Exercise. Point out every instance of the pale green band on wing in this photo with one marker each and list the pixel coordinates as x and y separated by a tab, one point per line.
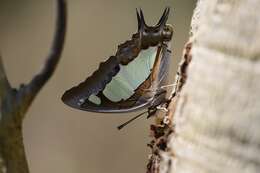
130	76
94	99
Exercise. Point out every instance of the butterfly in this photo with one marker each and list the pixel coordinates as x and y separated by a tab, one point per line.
132	79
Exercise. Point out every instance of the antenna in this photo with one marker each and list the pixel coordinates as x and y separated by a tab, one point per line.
129	121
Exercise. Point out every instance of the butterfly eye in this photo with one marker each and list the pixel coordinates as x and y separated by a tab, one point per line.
167	32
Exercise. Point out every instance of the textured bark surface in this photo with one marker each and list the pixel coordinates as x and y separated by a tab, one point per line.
14	103
217	118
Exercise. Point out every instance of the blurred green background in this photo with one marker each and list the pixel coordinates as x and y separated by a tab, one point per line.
58	138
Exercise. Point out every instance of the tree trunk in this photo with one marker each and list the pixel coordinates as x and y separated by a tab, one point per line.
14	103
217	116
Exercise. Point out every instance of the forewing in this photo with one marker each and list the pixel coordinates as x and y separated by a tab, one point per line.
120	95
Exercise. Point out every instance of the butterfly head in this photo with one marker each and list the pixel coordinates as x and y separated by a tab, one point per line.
152	35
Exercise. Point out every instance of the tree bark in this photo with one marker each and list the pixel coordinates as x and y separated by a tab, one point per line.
216	123
14	103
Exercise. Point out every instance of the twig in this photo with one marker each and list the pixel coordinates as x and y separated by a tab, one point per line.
4	83
30	90
14	103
